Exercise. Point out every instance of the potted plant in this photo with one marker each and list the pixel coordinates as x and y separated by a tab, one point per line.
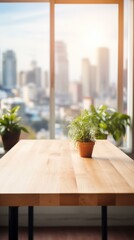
82	132
110	122
10	127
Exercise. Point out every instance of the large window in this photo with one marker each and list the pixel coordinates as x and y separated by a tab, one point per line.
24	63
86	58
57	58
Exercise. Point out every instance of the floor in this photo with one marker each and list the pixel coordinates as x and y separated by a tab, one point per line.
73	233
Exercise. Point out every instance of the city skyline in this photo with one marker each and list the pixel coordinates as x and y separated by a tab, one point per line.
61	58
94	87
94	80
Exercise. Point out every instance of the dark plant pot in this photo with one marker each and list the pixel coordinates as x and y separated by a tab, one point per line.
9	139
85	148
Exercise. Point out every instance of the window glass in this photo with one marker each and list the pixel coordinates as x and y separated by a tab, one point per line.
86	59
24	63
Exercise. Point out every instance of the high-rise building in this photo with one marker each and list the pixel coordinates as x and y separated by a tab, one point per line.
29	93
103	72
93	77
75	91
9	70
88	79
34	75
46	83
85	78
61	72
22	79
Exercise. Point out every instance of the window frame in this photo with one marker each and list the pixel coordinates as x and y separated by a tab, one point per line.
120	47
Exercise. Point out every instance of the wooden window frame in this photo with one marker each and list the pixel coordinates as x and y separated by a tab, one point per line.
120	48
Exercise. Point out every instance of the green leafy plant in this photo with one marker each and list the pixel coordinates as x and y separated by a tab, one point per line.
11	122
108	121
98	123
82	128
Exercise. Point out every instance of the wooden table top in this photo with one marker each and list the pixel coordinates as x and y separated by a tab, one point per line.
51	173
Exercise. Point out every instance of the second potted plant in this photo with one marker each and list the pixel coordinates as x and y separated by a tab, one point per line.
10	127
109	122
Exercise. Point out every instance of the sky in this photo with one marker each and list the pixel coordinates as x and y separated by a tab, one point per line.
24	28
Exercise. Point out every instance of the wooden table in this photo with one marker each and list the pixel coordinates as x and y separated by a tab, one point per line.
51	173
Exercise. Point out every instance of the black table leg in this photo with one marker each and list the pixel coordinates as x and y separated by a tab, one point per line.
30	222
13	223
104	222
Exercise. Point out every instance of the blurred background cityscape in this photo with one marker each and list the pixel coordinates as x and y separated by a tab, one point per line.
86	69
31	89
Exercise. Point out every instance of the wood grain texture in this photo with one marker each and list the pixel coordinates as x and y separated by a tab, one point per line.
51	173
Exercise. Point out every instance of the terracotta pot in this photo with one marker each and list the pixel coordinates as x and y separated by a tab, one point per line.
10	139
85	148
